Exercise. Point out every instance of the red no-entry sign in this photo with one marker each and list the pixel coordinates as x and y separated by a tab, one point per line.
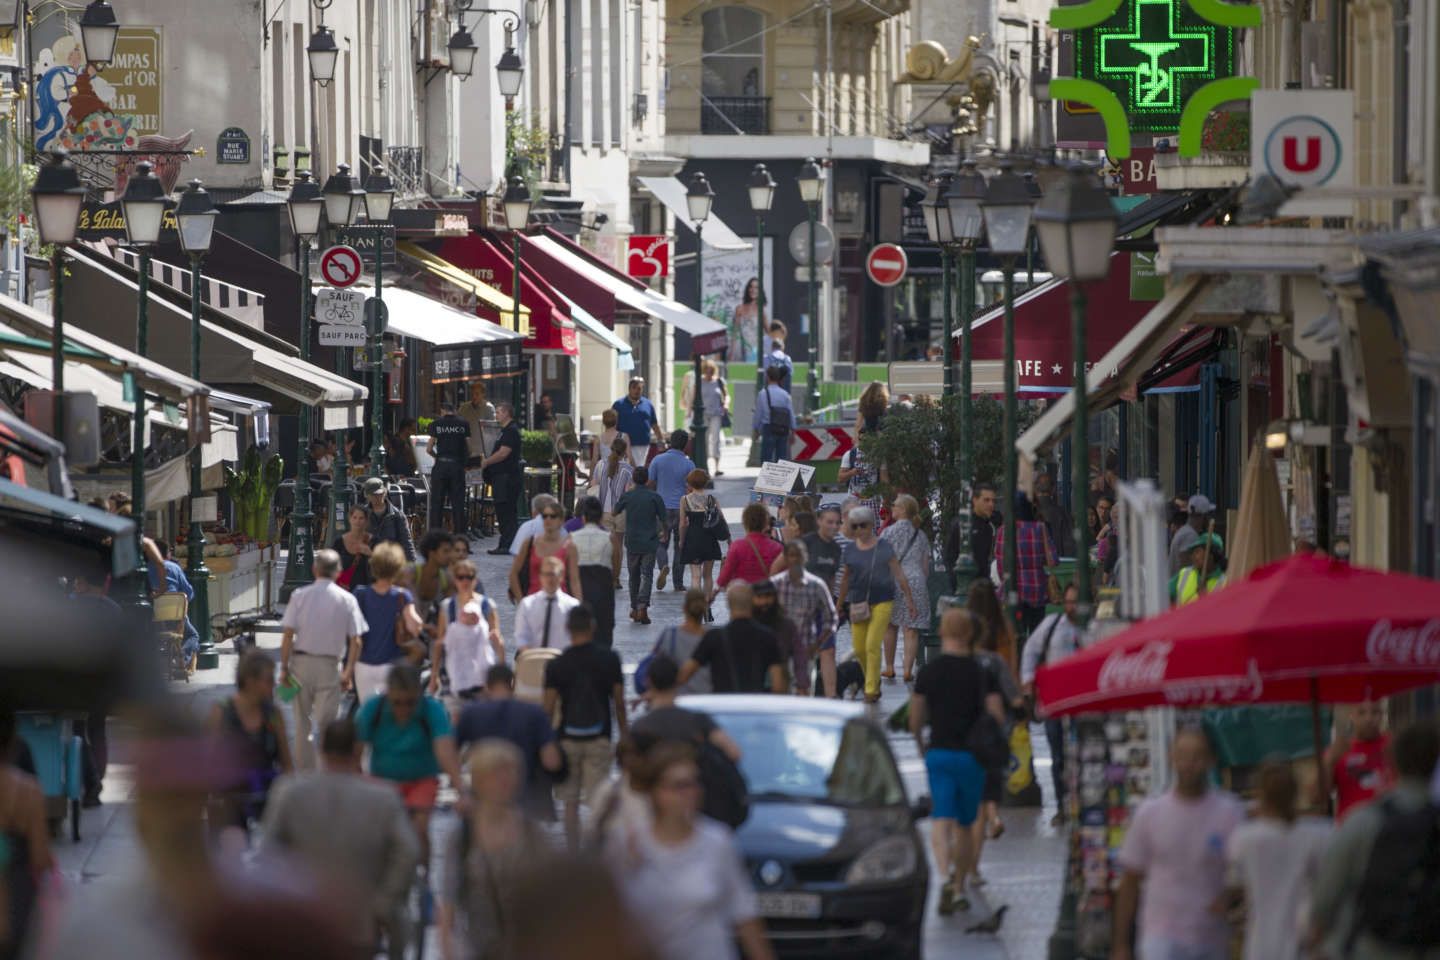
340	266
887	264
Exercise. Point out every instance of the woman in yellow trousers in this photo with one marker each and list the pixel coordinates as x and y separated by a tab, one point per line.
869	582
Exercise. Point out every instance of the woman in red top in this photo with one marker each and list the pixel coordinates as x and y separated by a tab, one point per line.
749	559
550	542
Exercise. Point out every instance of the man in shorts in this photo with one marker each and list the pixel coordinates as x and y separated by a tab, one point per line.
411	743
587	684
951	694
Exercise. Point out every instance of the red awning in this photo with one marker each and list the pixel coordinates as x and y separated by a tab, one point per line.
596	300
551	328
1043	347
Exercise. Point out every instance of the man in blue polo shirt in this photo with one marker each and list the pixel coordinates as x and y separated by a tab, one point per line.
638	421
667	476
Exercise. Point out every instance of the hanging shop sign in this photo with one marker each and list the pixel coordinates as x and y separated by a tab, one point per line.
1306	139
647	256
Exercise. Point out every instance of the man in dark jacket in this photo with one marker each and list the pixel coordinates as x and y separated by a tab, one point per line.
387	521
1054	515
983	523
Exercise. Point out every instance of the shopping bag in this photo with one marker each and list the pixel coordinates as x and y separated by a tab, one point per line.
1021	769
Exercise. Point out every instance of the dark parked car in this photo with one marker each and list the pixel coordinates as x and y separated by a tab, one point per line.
830	843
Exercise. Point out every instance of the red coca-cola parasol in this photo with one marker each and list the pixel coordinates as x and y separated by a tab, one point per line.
1305	629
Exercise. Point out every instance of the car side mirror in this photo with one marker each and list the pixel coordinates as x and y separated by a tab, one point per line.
920	809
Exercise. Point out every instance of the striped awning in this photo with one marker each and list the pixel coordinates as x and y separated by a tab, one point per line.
247	306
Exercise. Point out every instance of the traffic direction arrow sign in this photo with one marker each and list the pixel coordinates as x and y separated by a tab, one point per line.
338	307
820	443
887	264
340	266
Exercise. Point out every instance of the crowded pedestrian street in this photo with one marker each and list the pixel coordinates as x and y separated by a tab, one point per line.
765	480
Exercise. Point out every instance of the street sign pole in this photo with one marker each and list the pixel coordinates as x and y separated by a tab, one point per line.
814	400
297	568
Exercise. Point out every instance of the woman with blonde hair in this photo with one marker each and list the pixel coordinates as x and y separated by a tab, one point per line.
495	843
868	585
715	396
907	538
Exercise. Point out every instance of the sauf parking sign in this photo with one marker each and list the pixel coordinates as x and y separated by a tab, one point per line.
1306	139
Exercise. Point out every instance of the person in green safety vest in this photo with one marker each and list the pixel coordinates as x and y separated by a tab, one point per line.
1208	555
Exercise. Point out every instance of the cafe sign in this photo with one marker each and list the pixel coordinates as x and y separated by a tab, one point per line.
101	220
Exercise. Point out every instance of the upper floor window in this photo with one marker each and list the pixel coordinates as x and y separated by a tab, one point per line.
733	50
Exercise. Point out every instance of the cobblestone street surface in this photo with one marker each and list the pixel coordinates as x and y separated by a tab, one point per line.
1023	869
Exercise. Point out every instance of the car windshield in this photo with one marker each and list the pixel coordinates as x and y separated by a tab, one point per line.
814	757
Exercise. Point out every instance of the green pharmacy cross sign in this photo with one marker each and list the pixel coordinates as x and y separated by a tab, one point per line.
1153	66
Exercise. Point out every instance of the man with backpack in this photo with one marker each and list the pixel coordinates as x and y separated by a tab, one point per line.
743	655
774	416
498	715
1057	637
1377	895
726	797
585	682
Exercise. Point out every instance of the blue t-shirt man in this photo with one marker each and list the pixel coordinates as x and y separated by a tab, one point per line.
637	419
668	472
378	646
402	752
176	582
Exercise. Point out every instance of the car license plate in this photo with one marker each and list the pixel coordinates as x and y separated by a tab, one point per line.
789	906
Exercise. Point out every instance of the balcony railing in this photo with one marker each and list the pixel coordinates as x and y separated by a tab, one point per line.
735	115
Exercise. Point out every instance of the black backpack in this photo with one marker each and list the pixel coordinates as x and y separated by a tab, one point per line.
727	798
1399	896
583	708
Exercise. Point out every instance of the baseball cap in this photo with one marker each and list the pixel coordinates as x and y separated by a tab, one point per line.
373	485
1200	504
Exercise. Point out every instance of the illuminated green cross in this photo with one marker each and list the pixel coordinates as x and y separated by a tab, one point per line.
1155	52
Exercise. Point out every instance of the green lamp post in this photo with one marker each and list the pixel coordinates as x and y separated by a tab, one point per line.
343	199
699	198
57	197
812	185
305	205
967	225
379	198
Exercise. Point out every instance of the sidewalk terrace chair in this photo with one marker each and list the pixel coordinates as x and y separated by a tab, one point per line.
168	612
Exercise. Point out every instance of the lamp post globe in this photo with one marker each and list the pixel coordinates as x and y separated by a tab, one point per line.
762	189
195	216
306	204
1076	226
963	202
343	197
143	204
810	180
379	196
323	54
699	198
1007	210
517	204
463	52
509	72
98	31
57	196
935	208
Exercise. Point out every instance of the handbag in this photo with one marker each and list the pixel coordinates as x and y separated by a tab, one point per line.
524	575
860	609
715	523
779	422
642	669
985	741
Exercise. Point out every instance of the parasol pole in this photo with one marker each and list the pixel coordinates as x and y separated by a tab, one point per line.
1321	779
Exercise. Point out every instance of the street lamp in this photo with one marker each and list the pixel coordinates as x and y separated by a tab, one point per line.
1076	227
516	202
195	219
509	70
967	224
306	204
762	196
379	198
699	198
322	53
98	31
143	205
811	182
1007	210
57	197
344	198
462	53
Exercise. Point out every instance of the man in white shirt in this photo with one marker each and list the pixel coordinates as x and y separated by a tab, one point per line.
535	525
540	618
1057	637
321	620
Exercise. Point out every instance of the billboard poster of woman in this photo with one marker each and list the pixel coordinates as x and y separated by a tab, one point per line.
731	295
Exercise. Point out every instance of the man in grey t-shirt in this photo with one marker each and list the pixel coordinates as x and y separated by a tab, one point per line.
1201	510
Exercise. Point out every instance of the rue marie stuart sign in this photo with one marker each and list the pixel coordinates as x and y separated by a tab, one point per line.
1152	66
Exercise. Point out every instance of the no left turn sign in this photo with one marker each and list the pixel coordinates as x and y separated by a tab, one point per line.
340	266
886	264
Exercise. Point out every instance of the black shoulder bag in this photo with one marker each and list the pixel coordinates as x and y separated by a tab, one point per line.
986	740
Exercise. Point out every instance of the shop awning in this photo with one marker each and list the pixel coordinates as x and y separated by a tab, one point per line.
492	303
1127	360
671	193
624	355
244	305
707	336
1044	353
249	362
551	328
